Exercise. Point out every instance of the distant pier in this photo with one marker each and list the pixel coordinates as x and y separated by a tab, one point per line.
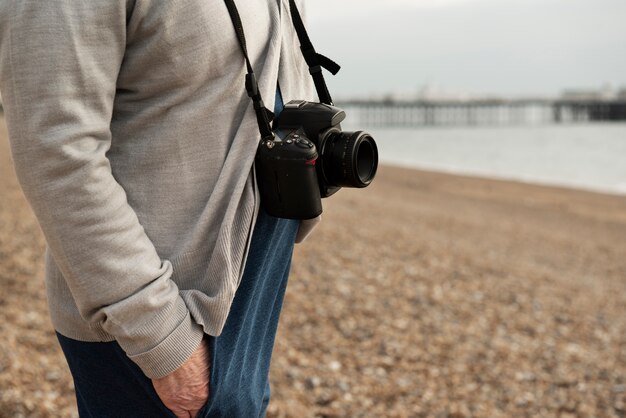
480	112
483	112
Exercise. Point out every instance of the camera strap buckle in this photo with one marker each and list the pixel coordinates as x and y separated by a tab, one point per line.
317	61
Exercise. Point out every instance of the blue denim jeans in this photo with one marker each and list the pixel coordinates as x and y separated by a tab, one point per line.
108	384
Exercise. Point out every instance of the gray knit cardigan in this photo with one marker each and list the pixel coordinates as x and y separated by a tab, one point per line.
133	140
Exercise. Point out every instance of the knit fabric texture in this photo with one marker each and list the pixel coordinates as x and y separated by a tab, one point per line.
133	139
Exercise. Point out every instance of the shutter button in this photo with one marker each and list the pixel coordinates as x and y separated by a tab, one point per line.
303	143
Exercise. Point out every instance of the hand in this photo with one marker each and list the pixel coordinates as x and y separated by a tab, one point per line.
186	389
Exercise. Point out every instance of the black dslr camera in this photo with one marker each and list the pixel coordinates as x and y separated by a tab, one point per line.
305	156
310	158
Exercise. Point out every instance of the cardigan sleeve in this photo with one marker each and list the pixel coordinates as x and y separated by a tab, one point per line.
59	62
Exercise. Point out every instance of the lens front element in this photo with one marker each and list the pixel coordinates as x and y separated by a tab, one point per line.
350	159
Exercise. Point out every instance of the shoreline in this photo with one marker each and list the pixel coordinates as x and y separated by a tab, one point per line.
585	157
529	180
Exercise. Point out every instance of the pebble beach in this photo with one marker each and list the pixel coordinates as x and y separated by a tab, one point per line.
424	295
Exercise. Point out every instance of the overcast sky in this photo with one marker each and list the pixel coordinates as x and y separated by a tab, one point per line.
505	47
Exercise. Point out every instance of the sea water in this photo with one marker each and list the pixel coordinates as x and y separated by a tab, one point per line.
586	156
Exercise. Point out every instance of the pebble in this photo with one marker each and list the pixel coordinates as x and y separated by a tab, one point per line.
313	382
334	366
53	376
619	388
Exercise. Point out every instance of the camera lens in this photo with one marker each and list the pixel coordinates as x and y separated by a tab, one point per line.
349	159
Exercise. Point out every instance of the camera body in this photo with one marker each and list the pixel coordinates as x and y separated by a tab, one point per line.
310	158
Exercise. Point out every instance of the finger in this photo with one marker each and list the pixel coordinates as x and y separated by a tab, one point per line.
181	413
194	413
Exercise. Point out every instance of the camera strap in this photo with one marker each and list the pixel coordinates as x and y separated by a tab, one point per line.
314	60
263	115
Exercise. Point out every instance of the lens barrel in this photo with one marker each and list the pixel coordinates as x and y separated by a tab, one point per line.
349	159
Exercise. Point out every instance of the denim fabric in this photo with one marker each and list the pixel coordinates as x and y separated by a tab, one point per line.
108	384
242	353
